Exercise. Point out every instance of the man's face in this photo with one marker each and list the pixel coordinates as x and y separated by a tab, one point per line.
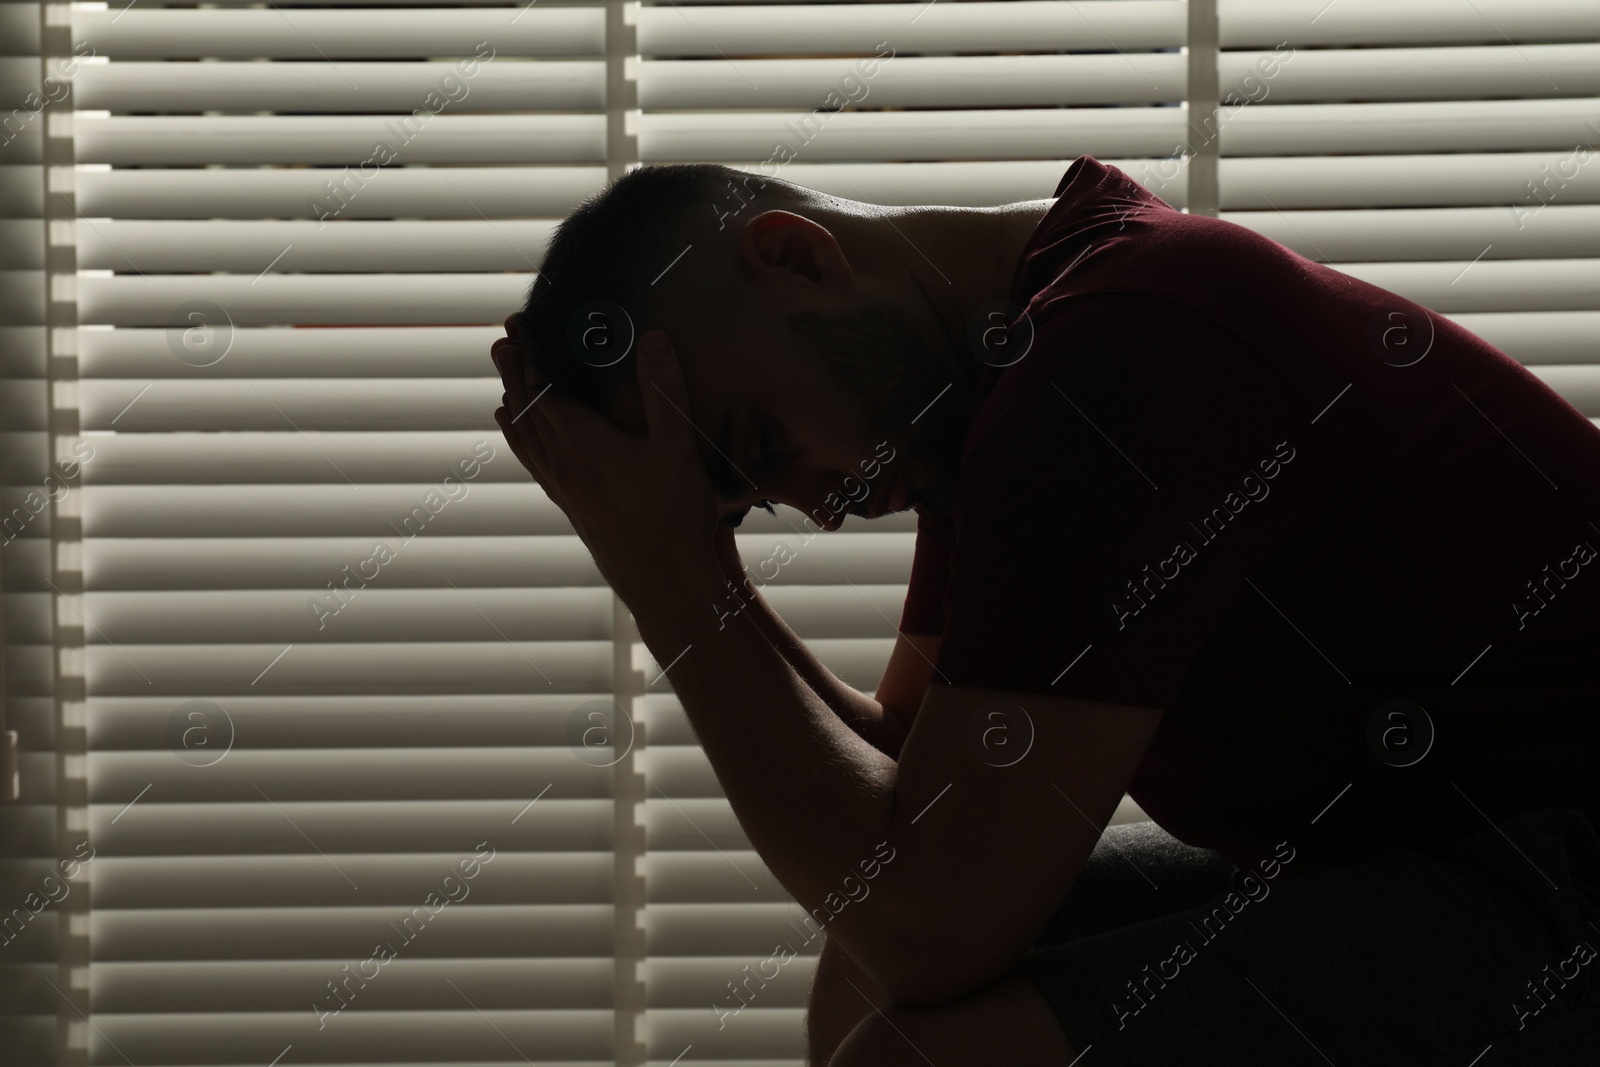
876	418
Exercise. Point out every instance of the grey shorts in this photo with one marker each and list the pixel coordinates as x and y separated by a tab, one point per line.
1479	954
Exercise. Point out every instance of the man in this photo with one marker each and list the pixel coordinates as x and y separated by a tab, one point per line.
1307	570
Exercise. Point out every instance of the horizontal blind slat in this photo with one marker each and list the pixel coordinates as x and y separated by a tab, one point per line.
304	245
217	670
304	299
176	883
169	564
1263	23
839	29
1428	126
385	405
300	139
1502	179
408	984
151	828
287	32
450	774
349	611
436	191
403	88
421	460
443	1036
257	354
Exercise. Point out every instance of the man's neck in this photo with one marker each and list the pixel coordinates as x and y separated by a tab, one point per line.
961	259
1016	224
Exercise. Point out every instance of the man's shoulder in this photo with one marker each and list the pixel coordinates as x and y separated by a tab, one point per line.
1131	405
1125	342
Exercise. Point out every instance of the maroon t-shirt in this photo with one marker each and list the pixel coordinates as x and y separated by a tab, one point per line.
1270	499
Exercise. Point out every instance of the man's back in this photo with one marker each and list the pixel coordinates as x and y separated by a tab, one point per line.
1347	545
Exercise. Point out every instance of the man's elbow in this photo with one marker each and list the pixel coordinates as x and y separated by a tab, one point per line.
936	989
929	969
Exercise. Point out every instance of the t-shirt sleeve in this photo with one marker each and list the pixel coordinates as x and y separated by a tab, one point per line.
1122	485
930	573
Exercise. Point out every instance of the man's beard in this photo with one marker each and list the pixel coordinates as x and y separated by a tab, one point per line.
892	376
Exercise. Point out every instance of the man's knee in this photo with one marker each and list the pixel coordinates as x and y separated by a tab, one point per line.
1008	1022
841	996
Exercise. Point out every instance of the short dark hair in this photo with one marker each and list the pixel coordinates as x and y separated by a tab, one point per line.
615	246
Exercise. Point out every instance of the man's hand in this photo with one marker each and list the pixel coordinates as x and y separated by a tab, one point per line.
644	506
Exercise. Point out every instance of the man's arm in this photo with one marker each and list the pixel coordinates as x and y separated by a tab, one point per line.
882	719
905	680
934	871
864	714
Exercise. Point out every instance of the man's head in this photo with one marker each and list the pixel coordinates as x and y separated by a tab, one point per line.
804	342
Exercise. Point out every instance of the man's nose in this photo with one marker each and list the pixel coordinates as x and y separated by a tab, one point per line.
732	512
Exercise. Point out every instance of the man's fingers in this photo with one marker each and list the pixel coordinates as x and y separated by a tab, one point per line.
522	383
529	448
509	364
513	437
502	351
568	427
502	418
528	436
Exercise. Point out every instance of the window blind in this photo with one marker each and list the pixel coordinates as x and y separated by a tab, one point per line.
43	903
275	346
338	636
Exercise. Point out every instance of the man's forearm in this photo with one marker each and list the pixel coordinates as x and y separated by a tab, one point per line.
862	713
814	798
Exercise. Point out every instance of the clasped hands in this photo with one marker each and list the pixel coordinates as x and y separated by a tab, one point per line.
644	506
